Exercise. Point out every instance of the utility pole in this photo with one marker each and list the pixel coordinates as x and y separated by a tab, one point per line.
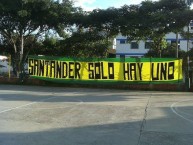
187	79
177	46
188	59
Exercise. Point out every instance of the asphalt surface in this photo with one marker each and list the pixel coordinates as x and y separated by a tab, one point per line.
31	115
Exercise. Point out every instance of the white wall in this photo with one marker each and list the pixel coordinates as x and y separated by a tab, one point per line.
125	49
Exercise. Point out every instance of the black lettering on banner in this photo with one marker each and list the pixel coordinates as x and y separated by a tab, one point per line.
36	67
77	70
111	70
90	70
133	71
140	65
41	68
31	67
71	70
102	69
126	71
171	67
58	69
65	70
156	75
52	69
163	71
47	63
97	70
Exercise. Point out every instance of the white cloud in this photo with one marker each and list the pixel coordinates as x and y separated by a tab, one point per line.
130	2
85	4
89	5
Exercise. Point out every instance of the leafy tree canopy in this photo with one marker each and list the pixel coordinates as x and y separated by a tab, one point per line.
23	19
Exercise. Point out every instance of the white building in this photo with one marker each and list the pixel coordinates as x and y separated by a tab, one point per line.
138	49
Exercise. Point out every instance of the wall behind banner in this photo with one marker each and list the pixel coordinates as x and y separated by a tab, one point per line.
106	70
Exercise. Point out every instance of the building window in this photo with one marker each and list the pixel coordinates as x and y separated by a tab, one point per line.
122	41
148	45
134	45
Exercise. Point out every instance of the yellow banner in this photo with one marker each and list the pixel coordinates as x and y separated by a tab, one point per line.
104	70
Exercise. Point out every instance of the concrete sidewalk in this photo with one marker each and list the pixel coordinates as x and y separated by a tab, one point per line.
77	116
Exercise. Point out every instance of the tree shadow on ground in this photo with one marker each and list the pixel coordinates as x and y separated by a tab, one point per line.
52	94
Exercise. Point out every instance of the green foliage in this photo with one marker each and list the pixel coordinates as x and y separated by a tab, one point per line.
105	20
26	20
151	20
50	47
169	52
87	44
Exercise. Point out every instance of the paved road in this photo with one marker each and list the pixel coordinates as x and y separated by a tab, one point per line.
32	115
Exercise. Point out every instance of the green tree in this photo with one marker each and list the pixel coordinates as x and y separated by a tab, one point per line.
168	52
163	17
153	20
92	33
84	44
104	21
48	46
24	19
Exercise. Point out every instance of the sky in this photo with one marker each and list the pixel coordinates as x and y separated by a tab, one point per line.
89	5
